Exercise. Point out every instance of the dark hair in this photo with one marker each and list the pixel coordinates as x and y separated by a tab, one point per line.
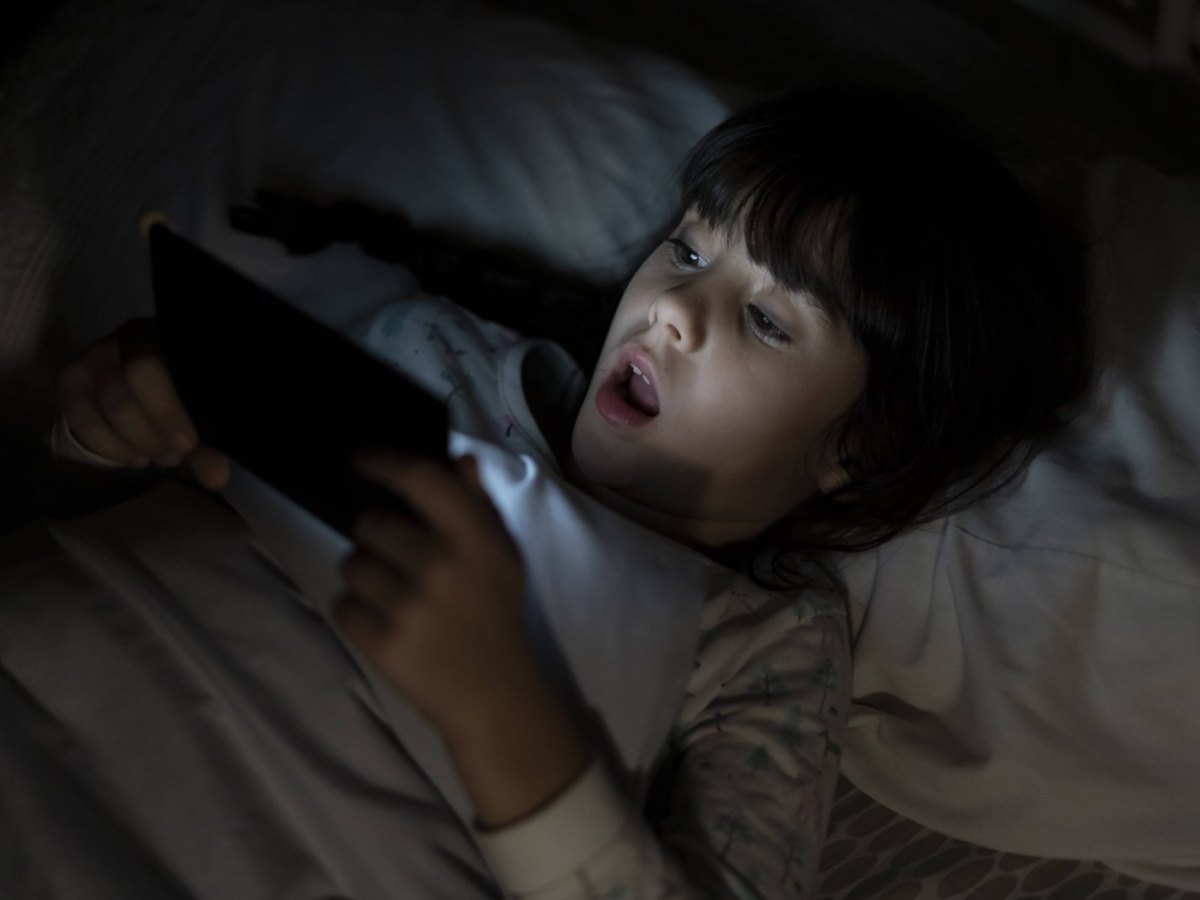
930	252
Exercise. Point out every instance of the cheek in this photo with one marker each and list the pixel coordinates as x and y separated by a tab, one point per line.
633	310
630	317
759	447
767	430
597	455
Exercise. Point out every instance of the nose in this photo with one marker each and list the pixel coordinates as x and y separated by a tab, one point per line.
681	316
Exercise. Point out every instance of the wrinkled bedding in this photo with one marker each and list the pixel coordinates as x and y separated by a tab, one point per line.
178	725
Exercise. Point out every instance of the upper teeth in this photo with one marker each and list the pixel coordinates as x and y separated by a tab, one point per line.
637	371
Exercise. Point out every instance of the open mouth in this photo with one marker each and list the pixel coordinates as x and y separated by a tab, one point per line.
639	392
629	395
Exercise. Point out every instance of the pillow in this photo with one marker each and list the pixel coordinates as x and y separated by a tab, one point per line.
505	129
1025	671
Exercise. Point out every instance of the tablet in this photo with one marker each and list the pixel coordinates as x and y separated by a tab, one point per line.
288	398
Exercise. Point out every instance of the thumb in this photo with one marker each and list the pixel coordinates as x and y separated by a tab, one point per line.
468	468
211	467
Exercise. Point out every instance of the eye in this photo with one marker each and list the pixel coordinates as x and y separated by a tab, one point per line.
684	257
766	330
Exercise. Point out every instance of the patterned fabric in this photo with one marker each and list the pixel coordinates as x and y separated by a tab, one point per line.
754	754
872	853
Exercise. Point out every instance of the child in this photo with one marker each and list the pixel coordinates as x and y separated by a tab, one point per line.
856	321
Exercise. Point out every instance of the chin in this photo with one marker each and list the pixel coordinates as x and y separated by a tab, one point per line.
601	465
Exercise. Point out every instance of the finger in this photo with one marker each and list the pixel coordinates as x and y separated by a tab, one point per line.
151	384
437	494
150	381
76	383
87	423
468	469
211	467
125	415
92	431
399	541
376	582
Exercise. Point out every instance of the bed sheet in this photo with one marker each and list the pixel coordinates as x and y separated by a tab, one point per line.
874	853
178	725
181	719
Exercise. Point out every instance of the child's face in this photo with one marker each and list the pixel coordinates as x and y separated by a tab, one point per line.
725	429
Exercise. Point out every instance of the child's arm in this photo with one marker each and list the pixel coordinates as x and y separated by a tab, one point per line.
118	407
748	782
436	607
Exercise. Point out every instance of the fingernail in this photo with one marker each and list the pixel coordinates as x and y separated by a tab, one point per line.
140	462
183	443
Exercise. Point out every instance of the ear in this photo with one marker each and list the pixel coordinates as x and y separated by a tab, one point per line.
833	477
834	474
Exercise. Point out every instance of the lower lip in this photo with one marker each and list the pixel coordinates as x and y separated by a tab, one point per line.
615	409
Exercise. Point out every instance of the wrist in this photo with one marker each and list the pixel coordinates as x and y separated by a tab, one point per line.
515	750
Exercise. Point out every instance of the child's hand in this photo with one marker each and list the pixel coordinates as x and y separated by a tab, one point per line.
437	607
120	403
436	604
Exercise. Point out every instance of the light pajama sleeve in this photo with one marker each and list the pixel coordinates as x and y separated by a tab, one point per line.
63	445
746	785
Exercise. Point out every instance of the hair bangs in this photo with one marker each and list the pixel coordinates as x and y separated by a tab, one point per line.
795	220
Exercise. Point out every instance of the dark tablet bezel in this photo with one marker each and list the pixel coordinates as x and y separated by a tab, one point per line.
287	397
